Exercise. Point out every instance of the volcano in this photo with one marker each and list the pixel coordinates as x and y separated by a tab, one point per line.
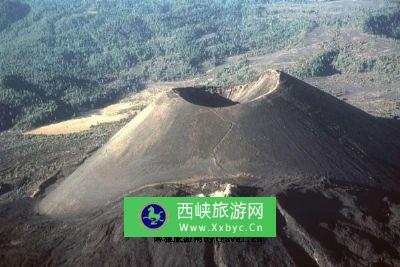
334	169
277	127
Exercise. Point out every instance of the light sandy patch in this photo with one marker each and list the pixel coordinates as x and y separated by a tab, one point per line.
116	112
77	125
117	108
112	113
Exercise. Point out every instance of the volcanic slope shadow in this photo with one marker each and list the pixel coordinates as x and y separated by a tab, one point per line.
276	127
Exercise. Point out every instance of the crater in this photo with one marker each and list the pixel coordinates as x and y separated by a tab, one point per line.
224	97
203	96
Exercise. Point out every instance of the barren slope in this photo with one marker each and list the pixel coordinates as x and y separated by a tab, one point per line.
277	127
333	168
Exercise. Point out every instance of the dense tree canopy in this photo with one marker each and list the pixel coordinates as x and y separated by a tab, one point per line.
384	24
319	65
11	11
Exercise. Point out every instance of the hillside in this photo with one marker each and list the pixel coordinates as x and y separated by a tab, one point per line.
102	99
333	168
75	56
278	126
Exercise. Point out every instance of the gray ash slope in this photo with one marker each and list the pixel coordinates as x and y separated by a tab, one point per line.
276	127
334	169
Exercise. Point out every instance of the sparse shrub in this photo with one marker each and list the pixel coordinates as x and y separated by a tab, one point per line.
239	73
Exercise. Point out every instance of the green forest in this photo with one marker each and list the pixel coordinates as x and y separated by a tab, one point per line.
384	24
59	58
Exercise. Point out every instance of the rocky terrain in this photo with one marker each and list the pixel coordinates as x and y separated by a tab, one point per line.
333	168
